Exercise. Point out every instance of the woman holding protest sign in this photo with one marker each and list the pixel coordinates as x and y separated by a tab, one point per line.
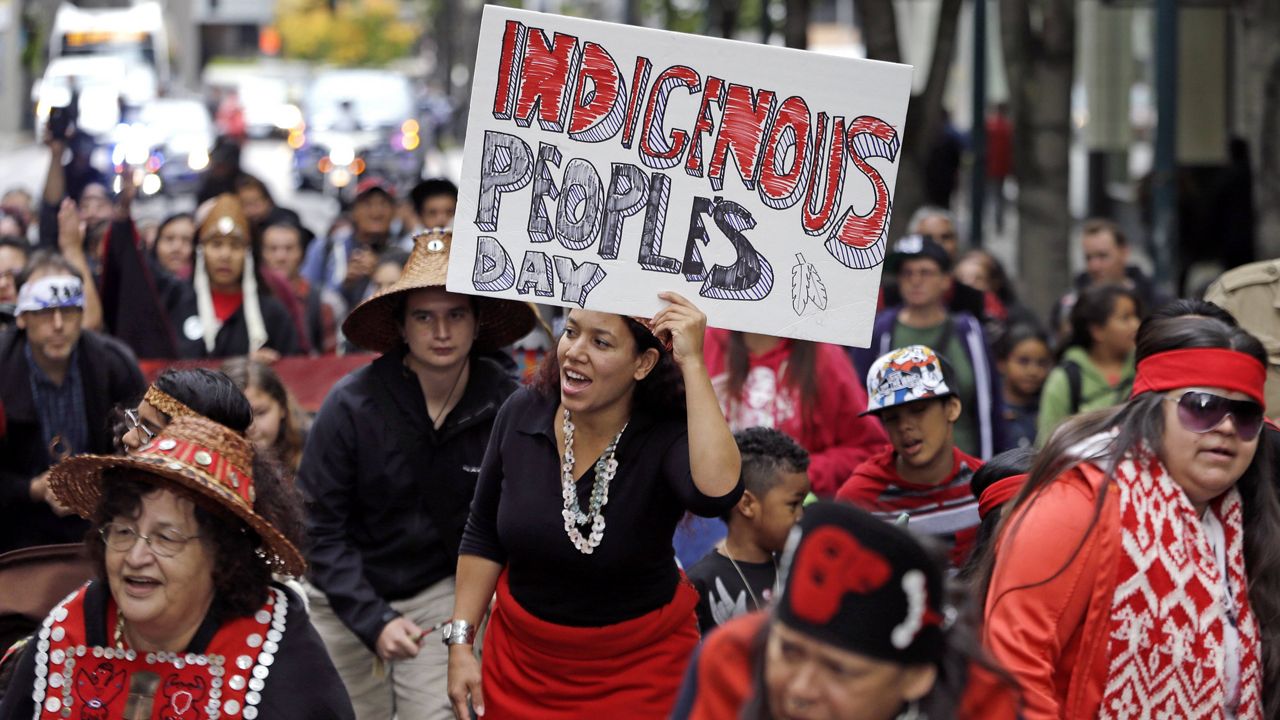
585	478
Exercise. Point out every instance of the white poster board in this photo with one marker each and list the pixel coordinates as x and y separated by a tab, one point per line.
605	163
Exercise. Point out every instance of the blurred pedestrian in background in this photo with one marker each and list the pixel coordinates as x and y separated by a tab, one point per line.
1096	368
175	245
279	426
58	384
1024	360
226	310
808	390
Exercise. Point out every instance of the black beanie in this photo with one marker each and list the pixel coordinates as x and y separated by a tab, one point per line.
861	584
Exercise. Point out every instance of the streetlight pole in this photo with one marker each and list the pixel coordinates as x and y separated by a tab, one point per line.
978	131
1165	185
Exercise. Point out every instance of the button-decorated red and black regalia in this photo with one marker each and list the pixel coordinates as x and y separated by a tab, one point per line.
76	680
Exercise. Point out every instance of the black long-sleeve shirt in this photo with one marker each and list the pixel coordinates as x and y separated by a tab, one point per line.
375	509
516	516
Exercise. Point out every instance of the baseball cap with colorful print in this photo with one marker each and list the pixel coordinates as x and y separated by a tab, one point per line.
906	375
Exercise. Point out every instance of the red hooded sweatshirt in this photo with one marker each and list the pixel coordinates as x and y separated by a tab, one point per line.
838	440
947	510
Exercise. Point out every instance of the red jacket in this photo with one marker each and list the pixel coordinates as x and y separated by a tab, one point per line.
947	510
837	438
1052	634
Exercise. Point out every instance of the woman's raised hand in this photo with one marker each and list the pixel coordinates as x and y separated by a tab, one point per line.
685	324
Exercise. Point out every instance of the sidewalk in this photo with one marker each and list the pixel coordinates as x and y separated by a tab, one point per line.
12	141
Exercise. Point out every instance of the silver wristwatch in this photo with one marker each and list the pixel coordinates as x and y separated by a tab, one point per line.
458	632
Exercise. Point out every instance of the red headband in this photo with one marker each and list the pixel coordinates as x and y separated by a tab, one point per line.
999	493
1212	367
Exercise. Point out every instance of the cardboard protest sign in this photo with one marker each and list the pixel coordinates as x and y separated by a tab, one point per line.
605	163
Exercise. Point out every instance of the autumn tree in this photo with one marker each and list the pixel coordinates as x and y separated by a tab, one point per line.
364	33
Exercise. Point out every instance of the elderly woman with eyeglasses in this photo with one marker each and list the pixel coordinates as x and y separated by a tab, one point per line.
183	620
1136	573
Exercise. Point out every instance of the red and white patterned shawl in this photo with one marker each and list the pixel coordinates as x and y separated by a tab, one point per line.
1165	654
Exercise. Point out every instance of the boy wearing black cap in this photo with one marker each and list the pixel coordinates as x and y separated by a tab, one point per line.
923	473
923	270
740	574
859	633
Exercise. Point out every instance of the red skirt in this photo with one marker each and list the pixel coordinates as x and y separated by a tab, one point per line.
633	669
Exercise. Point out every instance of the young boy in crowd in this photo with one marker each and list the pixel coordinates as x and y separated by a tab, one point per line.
923	271
922	474
740	574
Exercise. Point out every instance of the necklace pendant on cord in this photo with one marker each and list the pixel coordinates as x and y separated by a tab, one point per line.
606	468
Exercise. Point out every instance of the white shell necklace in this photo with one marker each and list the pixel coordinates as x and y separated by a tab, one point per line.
606	468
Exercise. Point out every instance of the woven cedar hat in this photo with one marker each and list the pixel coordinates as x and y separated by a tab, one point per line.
193	454
372	325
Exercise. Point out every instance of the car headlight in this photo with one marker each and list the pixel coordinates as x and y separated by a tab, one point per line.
342	155
151	184
198	159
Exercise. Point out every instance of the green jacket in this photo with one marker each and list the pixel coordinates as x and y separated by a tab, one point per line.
1095	392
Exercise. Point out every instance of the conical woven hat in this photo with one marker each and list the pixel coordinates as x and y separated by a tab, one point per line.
372	325
191	454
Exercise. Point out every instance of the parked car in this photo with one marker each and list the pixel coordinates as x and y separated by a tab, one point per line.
357	122
167	146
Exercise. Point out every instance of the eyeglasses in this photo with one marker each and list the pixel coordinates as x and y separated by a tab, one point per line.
1201	412
122	538
137	423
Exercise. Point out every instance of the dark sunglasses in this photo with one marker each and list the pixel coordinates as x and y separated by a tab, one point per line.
1201	412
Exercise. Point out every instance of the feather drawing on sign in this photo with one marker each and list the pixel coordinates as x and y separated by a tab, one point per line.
806	287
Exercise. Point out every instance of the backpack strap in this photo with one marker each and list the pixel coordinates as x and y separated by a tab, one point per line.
1075	381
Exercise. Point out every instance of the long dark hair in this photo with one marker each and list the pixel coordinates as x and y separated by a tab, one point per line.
210	394
660	393
1094	308
1017	461
1140	423
801	372
248	373
175	217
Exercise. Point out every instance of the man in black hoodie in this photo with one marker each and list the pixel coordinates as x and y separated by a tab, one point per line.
389	470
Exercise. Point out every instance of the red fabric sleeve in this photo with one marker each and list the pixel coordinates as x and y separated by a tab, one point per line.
1038	633
725	669
841	439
